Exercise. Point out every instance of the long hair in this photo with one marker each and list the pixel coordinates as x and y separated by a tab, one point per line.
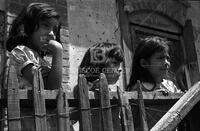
27	22
145	49
95	59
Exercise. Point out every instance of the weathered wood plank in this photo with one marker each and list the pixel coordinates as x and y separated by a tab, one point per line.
105	105
14	121
142	112
155	32
188	36
52	94
126	41
39	102
63	112
179	110
126	113
85	120
5	76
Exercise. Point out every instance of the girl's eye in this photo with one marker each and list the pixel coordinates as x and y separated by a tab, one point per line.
164	57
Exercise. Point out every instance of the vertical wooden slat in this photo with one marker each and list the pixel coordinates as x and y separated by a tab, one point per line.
126	113
3	92
142	111
14	122
105	105
188	36
63	112
39	102
185	72
126	42
188	79
85	120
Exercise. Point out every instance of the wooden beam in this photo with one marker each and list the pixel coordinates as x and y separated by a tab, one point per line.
63	112
142	112
85	120
107	124
14	121
52	94
180	109
125	41
126	112
39	102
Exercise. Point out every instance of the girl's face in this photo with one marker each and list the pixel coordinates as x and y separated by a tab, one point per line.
158	65
46	31
112	71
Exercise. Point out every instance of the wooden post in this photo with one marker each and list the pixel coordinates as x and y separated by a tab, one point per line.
125	40
85	120
14	121
5	78
185	69
105	105
142	111
63	112
126	113
39	102
180	109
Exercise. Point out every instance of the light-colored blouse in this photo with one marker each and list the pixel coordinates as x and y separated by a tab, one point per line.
165	85
20	57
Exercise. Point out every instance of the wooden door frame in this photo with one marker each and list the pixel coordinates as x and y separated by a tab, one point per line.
126	41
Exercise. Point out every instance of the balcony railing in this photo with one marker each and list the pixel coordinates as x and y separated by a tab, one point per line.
103	100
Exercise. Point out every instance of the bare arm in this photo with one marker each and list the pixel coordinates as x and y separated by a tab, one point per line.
54	78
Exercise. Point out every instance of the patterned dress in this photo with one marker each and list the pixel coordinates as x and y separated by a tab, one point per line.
20	57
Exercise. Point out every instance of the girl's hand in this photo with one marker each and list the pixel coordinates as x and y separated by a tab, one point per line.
52	47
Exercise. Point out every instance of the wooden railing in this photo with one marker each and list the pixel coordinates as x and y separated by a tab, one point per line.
41	99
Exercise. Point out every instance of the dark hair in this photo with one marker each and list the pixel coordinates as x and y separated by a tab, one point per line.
145	49
27	22
95	59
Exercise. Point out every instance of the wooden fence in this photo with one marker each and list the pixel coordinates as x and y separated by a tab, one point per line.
40	100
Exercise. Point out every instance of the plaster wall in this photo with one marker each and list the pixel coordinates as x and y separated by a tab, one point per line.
2	4
90	21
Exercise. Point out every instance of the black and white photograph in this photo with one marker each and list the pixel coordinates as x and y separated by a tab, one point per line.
99	65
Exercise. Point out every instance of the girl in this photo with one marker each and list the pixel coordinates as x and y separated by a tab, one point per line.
102	58
35	33
151	65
